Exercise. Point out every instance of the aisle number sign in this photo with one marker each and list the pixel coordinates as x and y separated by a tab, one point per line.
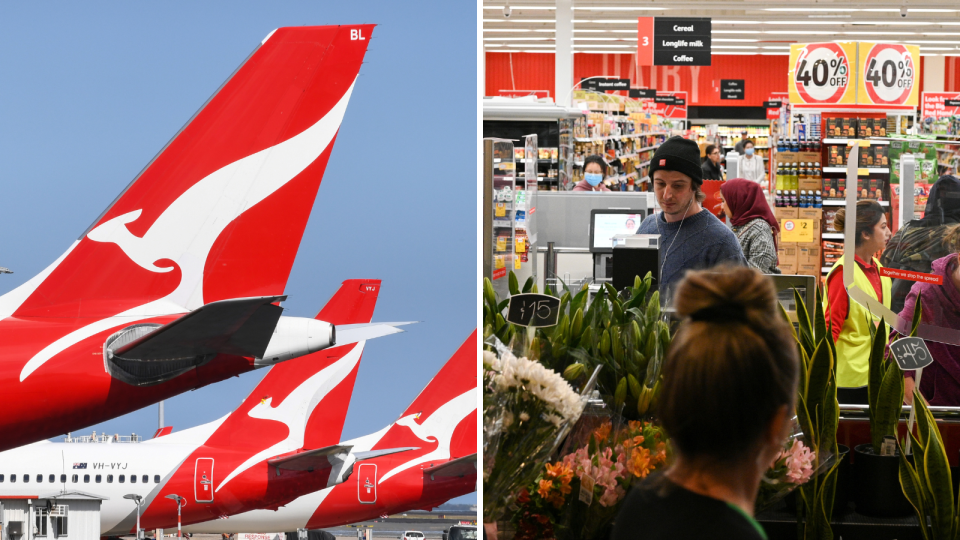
887	74
796	230
821	73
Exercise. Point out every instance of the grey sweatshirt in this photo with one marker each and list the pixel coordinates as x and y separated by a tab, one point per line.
697	242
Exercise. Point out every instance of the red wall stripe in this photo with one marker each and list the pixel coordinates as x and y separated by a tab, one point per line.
762	75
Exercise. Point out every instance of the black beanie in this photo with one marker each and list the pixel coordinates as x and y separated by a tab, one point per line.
681	155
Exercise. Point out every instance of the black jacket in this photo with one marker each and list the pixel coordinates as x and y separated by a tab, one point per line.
711	171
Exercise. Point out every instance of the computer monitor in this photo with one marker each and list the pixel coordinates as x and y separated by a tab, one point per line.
604	224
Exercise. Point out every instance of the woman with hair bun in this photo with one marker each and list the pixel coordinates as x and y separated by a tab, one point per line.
727	403
940	384
849	320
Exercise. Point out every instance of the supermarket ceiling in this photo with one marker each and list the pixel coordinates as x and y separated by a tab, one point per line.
739	27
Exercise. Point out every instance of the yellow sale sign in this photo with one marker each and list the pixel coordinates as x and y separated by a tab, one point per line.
796	230
888	74
822	73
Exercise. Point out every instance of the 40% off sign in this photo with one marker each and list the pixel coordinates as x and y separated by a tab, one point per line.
888	74
821	73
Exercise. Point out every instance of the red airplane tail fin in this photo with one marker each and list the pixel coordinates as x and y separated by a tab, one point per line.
442	420
302	403
219	213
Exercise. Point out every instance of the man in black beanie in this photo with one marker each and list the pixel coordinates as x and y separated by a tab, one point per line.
691	238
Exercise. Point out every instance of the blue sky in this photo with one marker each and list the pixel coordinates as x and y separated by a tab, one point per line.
90	92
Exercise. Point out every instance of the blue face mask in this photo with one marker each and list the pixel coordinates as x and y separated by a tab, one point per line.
748	151
593	179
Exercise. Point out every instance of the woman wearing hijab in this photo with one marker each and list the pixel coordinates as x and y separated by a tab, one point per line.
711	163
921	241
753	223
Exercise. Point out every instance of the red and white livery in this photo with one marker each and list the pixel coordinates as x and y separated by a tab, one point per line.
178	283
282	442
441	422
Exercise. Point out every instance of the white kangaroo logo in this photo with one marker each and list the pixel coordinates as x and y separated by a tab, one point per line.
187	229
295	410
438	428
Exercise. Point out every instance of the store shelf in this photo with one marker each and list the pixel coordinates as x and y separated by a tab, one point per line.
870	170
620	137
841	202
832	236
734	146
648	148
845	141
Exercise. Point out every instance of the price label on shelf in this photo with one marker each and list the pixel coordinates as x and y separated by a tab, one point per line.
516	263
501	243
820	73
887	74
796	230
501	210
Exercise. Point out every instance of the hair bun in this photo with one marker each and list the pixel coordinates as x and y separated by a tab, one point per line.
728	290
839	220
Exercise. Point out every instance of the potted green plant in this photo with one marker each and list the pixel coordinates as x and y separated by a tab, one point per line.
818	414
877	489
927	482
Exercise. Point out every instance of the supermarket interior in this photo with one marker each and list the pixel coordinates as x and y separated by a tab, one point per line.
814	132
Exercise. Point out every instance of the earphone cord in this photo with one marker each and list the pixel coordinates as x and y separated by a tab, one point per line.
667	252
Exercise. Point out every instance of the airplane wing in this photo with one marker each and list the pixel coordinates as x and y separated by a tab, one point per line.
312	460
239	326
354	333
457	468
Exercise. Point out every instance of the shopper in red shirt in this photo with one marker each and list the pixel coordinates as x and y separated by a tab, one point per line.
849	321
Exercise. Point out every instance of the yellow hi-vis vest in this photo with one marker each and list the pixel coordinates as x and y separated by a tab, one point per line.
853	343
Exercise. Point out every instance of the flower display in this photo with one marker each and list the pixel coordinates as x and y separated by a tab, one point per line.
793	467
577	496
526	405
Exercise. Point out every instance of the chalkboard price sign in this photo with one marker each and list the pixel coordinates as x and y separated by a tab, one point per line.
530	309
911	353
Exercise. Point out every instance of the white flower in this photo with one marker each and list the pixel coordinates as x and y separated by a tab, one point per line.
524	416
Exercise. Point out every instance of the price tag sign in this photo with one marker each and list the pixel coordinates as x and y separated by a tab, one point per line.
501	243
887	74
521	244
796	230
531	309
516	263
501	210
820	73
911	353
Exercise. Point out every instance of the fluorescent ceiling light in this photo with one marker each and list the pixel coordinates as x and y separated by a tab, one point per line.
603	39
941	33
493	44
937	49
913	10
612	21
536	51
804	10
607	45
715	40
521	20
885	33
521	7
507	30
776	53
735	47
778	48
882	23
596	31
551	45
798	32
507	38
735	22
751	31
620	8
818	22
